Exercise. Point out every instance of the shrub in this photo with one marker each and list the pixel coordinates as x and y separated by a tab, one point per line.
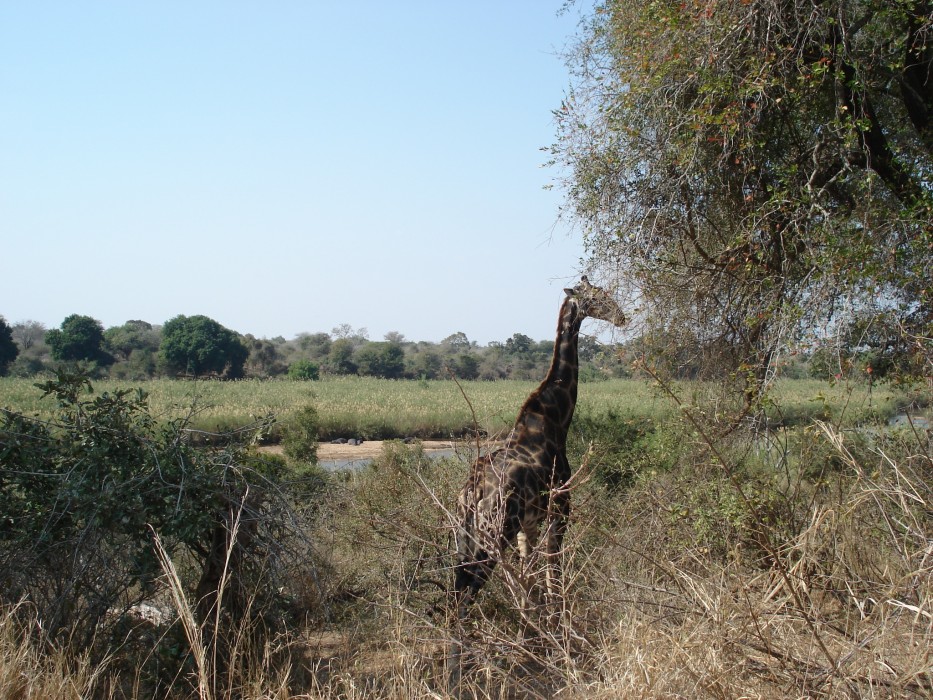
83	495
623	447
381	360
300	436
27	366
303	370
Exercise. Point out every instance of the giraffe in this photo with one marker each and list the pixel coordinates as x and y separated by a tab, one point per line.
513	489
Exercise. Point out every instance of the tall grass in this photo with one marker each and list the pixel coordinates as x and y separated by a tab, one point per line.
381	408
364	406
791	562
28	672
710	580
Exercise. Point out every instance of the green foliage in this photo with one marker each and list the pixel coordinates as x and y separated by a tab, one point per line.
82	494
141	364
622	447
303	370
828	363
466	366
300	436
386	360
8	348
519	344
198	345
27	366
79	338
132	336
316	345
457	342
264	359
135	347
744	181
426	364
340	357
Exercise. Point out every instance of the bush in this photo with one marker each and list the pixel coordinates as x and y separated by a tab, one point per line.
623	447
83	496
381	360
27	366
303	370
80	339
300	436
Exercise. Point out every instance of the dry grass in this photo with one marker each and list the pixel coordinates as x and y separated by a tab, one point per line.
800	572
841	606
30	673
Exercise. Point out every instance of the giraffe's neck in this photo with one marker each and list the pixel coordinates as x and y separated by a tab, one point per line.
549	409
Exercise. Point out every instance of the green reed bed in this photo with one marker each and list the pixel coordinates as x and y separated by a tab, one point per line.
800	401
381	408
367	406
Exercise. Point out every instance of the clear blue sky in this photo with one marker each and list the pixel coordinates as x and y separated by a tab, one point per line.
284	166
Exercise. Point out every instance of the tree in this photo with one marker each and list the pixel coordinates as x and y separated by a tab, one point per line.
264	359
28	333
316	345
135	346
340	357
199	345
8	349
345	332
457	342
467	366
426	364
519	344
756	170
381	360
79	338
589	348
132	335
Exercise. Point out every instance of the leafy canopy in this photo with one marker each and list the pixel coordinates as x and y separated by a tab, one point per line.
199	345
8	348
757	172
78	338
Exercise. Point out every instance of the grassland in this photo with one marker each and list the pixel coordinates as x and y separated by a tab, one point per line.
792	566
380	408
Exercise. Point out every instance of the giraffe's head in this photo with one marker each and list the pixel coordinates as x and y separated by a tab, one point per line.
596	302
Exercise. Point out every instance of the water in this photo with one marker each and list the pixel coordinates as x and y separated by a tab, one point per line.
901	420
335	465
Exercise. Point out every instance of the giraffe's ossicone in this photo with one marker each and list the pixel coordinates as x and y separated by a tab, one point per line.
511	491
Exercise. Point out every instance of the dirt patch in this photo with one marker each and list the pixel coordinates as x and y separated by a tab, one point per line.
327	452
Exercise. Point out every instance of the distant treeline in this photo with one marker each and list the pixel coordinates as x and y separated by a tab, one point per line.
198	347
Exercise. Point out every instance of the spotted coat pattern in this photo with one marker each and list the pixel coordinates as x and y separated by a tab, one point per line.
511	491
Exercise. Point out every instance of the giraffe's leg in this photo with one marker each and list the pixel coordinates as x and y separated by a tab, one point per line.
555	528
526	541
558	514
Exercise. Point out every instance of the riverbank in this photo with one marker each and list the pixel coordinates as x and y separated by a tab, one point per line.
369	449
